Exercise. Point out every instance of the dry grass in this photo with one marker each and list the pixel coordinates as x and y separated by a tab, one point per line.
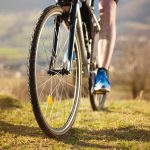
16	87
124	125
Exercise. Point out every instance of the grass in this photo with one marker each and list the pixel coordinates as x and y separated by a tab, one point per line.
124	124
12	53
7	102
12	86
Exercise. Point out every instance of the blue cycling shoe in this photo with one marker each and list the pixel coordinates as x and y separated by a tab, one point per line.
102	83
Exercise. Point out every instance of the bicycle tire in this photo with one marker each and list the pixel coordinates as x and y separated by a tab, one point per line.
97	100
41	120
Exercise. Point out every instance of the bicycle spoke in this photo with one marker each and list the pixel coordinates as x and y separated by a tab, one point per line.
69	84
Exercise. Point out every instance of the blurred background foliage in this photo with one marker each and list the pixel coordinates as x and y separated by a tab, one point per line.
129	71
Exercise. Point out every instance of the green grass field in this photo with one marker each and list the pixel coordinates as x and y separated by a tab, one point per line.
123	125
12	53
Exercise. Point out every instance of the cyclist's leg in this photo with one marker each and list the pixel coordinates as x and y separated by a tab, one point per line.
108	32
106	44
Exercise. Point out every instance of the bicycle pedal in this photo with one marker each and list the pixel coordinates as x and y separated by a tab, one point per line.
100	92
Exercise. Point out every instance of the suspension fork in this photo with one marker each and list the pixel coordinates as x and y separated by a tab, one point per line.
55	42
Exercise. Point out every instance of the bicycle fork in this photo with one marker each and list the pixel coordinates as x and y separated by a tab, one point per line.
76	25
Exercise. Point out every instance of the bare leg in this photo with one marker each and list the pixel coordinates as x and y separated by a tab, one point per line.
108	33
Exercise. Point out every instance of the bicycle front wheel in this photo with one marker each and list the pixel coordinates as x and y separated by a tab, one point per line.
54	93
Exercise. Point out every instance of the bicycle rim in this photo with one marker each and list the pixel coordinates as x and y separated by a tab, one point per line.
54	98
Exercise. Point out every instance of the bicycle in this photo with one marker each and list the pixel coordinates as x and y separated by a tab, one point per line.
61	51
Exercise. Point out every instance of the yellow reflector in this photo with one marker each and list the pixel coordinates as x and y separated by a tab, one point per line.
50	100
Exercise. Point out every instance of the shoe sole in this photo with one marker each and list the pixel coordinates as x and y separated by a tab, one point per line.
102	91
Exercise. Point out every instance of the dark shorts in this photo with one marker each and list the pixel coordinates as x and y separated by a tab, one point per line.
116	1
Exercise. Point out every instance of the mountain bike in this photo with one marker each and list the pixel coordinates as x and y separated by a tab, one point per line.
62	50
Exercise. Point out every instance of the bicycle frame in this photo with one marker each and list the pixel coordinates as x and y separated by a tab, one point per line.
77	26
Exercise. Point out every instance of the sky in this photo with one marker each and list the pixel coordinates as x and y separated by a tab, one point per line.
21	5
